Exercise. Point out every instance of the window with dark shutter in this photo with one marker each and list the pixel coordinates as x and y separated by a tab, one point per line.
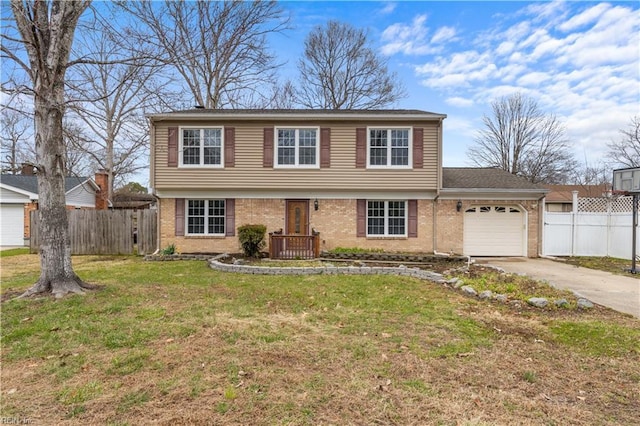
413	219
231	217
267	148
179	217
361	213
361	148
229	146
325	147
418	147
172	149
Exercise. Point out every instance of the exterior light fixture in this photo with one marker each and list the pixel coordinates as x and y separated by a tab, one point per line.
459	206
315	204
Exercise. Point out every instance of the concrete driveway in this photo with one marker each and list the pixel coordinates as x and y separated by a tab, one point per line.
615	291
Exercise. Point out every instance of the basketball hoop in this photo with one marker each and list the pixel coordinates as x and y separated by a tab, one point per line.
627	182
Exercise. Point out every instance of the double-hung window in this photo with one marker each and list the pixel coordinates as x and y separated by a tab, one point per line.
201	146
387	218
205	217
389	147
297	147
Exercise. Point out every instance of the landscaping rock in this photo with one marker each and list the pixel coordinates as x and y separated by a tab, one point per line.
538	302
485	294
469	290
561	303
453	281
502	298
584	304
458	284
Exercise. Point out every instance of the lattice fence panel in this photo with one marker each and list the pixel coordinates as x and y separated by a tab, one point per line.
622	205
604	205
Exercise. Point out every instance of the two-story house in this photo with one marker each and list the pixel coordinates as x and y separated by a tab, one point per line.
366	179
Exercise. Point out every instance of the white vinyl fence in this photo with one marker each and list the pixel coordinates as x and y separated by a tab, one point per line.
596	227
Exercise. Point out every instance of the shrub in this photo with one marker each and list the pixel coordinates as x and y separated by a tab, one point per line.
251	239
169	250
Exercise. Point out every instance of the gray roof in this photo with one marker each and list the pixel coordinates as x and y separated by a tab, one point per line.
484	178
390	114
29	183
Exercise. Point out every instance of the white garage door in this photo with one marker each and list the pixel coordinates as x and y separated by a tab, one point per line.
494	231
11	224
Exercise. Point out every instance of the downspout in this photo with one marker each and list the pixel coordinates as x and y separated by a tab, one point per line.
152	169
435	224
542	212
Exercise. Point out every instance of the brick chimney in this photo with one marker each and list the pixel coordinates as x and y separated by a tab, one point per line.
102	180
27	169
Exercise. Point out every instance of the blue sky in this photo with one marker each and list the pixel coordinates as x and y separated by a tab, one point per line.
579	60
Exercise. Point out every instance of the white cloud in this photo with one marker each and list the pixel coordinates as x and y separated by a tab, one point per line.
459	102
412	39
443	34
388	8
584	18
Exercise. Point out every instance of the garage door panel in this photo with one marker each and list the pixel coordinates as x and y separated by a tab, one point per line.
494	231
11	224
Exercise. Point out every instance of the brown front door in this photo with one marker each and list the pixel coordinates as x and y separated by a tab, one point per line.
297	217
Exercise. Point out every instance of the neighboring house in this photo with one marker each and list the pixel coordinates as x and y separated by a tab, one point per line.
366	179
131	200
19	197
560	197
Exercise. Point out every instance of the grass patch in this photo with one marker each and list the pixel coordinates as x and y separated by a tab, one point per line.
598	338
14	252
177	342
607	264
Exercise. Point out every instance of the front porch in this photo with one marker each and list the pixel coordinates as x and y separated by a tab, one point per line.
288	247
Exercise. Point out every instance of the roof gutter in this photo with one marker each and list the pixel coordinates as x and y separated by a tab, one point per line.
293	116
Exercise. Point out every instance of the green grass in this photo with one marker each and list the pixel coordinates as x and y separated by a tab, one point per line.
287	349
598	338
607	264
14	252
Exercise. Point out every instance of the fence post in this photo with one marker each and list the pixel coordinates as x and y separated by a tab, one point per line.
574	222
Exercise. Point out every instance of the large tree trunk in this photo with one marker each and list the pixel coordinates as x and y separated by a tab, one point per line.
47	30
57	276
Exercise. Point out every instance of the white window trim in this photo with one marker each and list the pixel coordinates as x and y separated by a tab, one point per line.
206	218
200	166
388	166
386	220
297	148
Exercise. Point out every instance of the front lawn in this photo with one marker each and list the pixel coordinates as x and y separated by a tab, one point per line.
607	264
179	343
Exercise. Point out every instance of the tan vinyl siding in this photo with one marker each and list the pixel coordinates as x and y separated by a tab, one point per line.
249	172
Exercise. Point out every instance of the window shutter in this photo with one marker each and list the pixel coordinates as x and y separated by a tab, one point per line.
362	218
172	150
179	217
267	148
413	219
418	147
361	148
325	147
229	146
230	219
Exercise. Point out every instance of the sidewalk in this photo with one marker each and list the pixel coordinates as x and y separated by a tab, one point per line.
614	291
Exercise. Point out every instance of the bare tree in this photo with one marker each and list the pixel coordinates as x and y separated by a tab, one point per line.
15	131
109	99
340	70
519	138
625	152
219	49
44	30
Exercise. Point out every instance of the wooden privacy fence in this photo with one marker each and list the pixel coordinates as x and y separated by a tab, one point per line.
106	231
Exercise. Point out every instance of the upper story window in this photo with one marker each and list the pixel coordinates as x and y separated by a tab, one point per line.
297	147
389	147
201	146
